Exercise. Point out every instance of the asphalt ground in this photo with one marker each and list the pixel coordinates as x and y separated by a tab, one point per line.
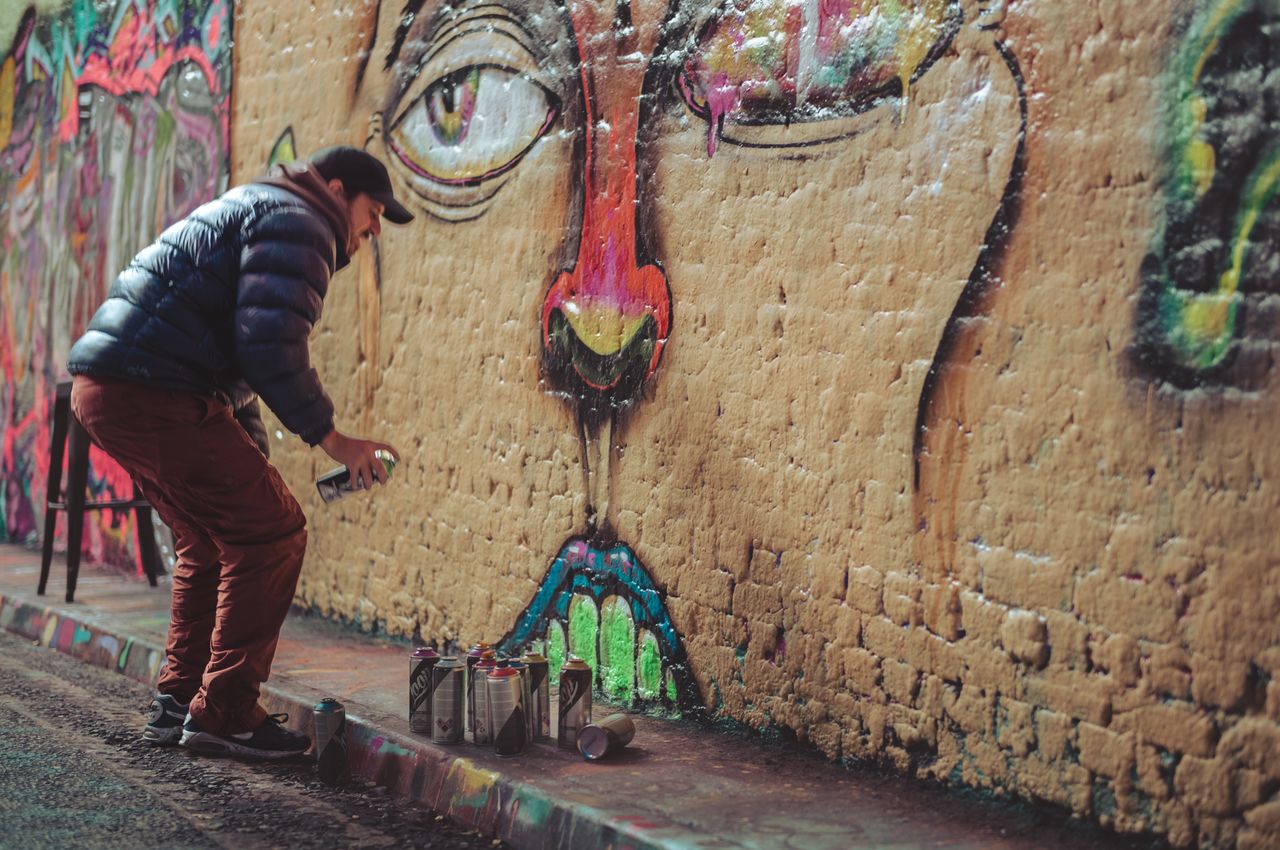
75	773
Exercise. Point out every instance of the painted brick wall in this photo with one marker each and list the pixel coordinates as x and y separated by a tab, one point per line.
932	428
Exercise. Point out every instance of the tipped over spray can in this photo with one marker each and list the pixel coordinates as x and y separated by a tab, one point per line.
331	741
539	695
506	711
481	731
575	702
447	700
421	662
336	483
597	740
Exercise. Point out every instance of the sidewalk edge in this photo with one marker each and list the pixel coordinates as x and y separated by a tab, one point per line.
447	782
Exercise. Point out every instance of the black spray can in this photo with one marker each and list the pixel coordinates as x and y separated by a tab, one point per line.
539	706
597	740
473	657
481	732
575	702
506	711
447	700
526	689
336	483
331	741
421	662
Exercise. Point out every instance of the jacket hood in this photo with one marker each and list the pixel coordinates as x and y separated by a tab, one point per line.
303	180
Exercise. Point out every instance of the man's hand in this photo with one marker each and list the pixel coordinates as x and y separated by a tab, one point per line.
357	456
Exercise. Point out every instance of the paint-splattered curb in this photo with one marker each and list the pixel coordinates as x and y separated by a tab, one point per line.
455	786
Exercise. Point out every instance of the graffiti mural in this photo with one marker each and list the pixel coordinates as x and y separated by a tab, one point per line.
114	122
1215	260
473	93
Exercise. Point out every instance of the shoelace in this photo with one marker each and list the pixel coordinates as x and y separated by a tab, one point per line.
281	718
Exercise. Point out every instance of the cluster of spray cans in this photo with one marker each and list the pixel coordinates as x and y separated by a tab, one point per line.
504	703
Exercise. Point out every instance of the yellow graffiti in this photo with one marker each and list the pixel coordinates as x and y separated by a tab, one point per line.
922	31
7	83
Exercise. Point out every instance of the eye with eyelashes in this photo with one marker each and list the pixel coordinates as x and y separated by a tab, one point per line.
476	96
784	74
472	124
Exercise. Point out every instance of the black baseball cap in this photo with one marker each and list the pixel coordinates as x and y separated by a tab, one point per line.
361	171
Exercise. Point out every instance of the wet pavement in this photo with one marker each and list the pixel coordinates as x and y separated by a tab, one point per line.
74	773
679	785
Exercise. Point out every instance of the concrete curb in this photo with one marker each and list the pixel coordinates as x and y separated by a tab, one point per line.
439	778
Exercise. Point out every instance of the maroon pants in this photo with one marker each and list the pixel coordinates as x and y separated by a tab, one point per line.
239	533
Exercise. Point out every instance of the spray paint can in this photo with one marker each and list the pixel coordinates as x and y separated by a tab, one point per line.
539	695
447	700
575	701
481	731
473	656
526	688
597	740
336	483
421	662
506	711
331	741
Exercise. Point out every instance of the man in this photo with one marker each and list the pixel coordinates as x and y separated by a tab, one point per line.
212	316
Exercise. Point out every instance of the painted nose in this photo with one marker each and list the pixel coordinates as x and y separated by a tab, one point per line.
606	321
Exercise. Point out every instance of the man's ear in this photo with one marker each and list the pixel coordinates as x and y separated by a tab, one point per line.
335	186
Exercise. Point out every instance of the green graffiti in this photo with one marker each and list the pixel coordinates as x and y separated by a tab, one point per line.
584	624
556	650
617	650
284	149
649	667
1220	184
122	661
671	688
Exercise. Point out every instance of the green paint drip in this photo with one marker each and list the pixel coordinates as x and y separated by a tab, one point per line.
617	650
584	626
649	678
556	649
671	689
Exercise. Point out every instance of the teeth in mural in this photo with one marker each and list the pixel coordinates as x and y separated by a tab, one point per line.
601	605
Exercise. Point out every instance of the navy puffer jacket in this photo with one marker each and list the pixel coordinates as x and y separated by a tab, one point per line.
223	303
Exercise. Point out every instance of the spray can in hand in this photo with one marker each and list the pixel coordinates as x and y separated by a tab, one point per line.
336	483
331	741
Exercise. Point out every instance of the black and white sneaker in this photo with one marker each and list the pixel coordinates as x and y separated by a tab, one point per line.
164	724
271	740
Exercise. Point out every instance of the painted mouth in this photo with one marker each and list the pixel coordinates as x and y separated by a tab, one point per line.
580	369
601	605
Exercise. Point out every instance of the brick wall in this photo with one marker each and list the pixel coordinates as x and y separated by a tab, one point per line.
932	429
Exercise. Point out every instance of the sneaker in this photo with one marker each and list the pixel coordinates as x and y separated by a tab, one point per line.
164	725
271	740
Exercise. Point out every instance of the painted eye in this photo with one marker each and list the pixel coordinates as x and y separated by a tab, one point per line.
472	124
781	63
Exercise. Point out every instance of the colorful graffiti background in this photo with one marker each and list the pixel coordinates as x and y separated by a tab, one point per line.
114	122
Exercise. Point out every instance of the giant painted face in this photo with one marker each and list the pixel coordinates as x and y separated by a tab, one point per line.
673	259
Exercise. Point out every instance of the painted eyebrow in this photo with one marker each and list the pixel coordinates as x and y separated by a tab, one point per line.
412	8
407	16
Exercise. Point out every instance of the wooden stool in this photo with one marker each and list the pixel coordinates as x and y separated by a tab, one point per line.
69	436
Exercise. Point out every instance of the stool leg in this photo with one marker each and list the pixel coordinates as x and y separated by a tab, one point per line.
53	485
77	481
147	541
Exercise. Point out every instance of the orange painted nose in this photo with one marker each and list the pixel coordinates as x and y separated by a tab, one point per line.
606	321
